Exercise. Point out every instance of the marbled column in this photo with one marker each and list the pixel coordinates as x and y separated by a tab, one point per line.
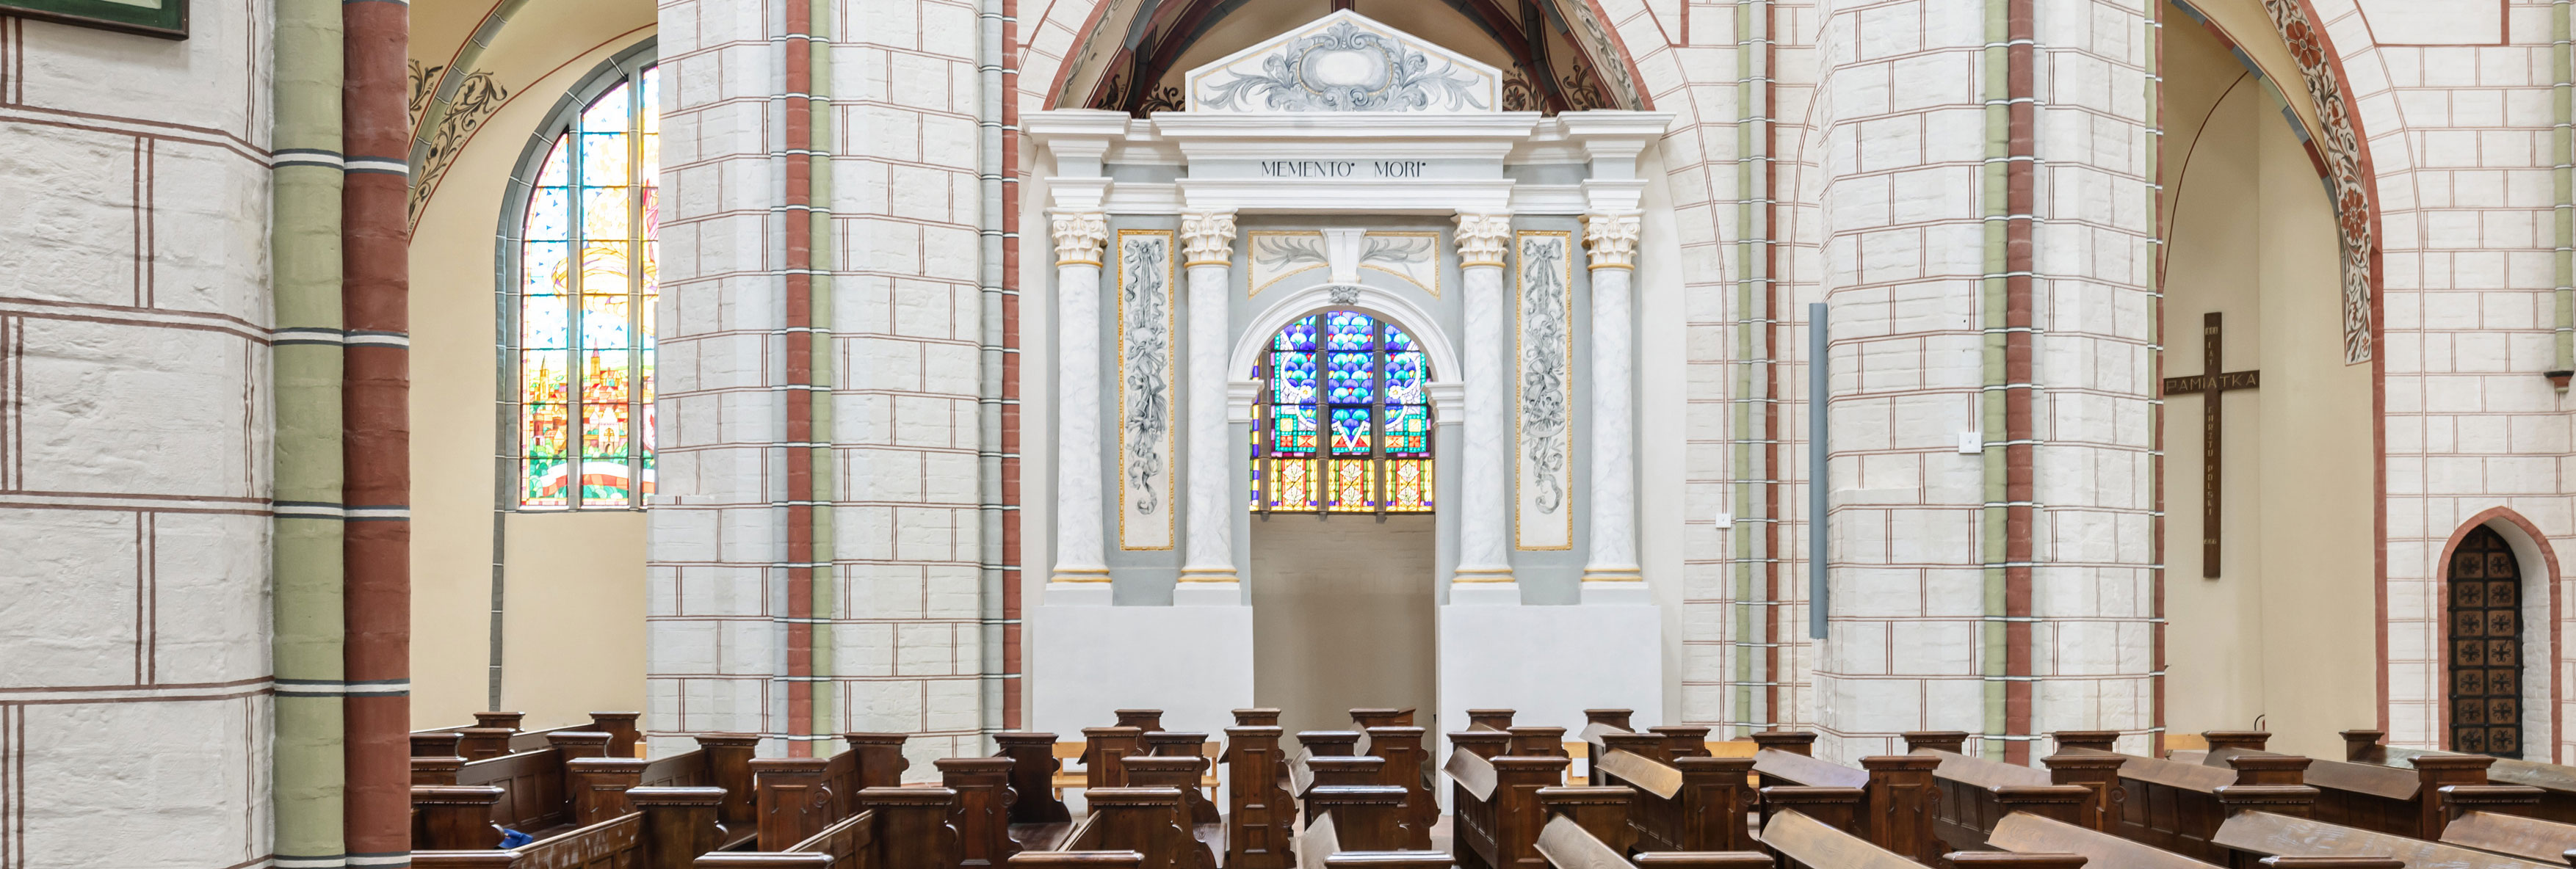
1207	563
1078	240
1484	561
1611	239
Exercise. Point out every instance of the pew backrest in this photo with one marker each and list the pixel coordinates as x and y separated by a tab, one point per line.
1800	841
2272	834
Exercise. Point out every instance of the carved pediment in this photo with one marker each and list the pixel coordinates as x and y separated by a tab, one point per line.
1345	62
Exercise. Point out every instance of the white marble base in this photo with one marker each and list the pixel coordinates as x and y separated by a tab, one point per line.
1086	662
1208	594
1077	594
1484	594
1632	593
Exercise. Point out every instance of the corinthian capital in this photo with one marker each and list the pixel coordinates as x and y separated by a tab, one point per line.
1482	239
1612	239
1078	237
1207	238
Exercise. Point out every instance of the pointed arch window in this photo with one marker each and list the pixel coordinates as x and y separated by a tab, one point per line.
1343	424
580	306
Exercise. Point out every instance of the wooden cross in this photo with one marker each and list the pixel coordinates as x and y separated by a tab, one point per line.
2209	384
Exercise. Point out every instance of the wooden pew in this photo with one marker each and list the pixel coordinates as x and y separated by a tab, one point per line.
1976	794
1261	818
2269	834
1802	842
1495	811
1149	821
1575	840
2557	782
2415	802
2178	806
670	828
2033	834
1038	819
1490	719
1407	766
894	828
1683	801
1370	817
2514	836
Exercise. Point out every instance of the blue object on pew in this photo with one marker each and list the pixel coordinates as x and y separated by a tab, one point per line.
512	838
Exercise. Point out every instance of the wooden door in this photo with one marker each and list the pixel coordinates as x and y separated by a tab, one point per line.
2485	657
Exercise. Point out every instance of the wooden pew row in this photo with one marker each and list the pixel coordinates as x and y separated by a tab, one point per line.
1261	818
668	830
894	828
1362	827
1151	821
1976	793
2557	782
1495	813
2178	806
2417	803
1684	800
2288	836
1588	828
1888	801
1802	842
497	733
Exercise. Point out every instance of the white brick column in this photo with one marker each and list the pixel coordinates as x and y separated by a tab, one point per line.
1484	561
1078	555
1207	567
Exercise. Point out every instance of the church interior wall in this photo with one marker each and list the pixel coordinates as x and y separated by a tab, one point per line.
135	186
555	669
1665	507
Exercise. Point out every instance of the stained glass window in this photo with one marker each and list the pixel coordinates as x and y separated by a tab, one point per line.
584	301
1344	420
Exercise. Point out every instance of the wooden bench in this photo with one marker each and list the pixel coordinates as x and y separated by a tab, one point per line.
2556	782
2028	833
1583	829
1261	818
1802	842
1976	793
1684	800
2269	833
2178	806
1887	801
2415	801
497	733
894	828
670	828
1149	821
1495	813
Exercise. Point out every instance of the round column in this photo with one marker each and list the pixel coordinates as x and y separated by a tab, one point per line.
1207	561
1484	560
1611	570
1078	559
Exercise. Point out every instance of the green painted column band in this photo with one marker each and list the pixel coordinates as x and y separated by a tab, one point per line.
1751	530
826	493
2562	149
305	360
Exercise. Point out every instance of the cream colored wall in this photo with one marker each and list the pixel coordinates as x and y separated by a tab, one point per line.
1342	613
2287	630
573	634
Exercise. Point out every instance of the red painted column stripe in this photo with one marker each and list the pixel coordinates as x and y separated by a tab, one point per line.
799	338
376	430
2019	452
1011	574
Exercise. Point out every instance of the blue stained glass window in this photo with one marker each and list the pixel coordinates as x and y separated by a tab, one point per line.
1359	441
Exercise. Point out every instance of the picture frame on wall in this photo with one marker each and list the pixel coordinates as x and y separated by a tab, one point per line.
167	19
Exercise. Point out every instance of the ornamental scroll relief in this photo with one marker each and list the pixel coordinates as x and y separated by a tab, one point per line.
1543	478
1345	62
1145	323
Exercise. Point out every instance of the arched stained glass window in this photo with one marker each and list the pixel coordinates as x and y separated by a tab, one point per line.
1344	421
584	304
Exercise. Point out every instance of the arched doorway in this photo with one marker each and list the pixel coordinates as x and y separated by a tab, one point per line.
1343	533
2483	660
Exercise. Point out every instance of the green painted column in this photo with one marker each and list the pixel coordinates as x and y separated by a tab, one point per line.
306	604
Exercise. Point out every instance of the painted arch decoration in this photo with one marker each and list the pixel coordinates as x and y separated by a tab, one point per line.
2347	167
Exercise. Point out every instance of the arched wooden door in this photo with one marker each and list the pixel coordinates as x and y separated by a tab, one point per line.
2485	658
